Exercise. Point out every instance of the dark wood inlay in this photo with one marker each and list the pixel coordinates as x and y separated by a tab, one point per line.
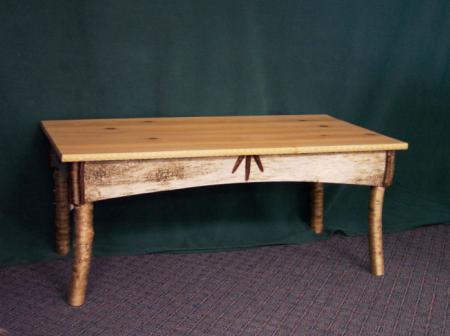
258	162
238	163
248	165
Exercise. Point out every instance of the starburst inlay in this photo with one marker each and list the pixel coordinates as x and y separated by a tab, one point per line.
248	164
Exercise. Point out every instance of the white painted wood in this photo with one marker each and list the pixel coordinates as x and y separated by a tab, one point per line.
111	179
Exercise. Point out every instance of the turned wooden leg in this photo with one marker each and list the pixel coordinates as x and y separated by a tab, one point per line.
83	237
376	231
317	207
62	210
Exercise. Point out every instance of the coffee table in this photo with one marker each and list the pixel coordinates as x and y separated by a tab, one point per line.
100	159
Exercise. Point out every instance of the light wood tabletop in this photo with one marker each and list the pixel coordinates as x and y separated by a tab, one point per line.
184	137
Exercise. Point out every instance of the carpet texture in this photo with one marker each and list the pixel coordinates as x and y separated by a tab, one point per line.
322	288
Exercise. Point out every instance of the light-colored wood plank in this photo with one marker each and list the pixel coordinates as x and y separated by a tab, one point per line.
111	179
158	138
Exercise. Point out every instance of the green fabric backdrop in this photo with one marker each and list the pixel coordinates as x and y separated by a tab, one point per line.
382	64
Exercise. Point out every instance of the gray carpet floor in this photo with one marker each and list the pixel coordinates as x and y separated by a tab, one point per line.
321	288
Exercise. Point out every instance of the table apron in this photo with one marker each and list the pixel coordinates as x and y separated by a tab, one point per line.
100	180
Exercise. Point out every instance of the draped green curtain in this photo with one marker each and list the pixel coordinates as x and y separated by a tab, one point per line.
380	64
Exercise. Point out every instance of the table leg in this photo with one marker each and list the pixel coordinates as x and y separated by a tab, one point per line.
375	231
84	235
62	210
317	207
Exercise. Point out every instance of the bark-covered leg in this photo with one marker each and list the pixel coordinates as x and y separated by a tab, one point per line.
83	238
317	207
62	210
376	231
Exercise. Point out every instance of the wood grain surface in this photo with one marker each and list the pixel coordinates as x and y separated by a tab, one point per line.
159	138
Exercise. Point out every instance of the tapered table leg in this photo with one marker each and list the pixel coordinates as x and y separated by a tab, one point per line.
317	207
83	238
375	231
62	210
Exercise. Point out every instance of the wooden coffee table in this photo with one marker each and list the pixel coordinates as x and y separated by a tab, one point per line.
99	159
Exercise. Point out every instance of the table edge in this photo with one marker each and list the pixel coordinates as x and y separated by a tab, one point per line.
229	152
